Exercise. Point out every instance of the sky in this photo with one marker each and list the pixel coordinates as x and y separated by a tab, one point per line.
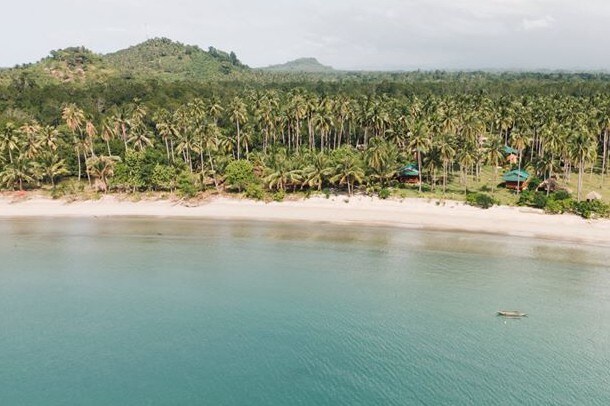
346	34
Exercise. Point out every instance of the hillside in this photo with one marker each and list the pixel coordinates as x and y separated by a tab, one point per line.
167	59
302	65
158	58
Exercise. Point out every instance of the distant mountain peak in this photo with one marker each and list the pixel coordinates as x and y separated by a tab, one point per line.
305	65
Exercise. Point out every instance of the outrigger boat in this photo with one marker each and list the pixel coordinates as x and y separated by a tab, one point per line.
511	313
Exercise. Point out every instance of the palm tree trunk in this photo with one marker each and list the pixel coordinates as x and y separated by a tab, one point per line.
580	174
419	170
604	155
213	171
238	139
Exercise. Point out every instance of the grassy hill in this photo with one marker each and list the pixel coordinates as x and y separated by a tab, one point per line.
166	59
158	58
302	65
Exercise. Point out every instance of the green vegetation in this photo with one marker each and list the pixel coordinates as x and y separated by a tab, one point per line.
162	116
482	200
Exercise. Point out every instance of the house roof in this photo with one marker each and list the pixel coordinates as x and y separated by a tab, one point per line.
409	170
516	176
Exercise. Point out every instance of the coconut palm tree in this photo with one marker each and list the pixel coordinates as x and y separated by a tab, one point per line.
74	118
318	170
102	168
420	142
348	171
238	114
52	166
9	140
582	146
20	171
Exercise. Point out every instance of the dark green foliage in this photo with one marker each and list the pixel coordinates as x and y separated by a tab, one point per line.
255	191
482	200
561	195
591	209
163	178
384	193
186	185
533	184
533	198
279	196
129	175
240	174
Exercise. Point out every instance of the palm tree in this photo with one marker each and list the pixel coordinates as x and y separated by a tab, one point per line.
18	172
348	171
382	158
582	147
419	141
49	137
74	118
495	154
102	167
9	140
520	141
52	166
318	170
237	111
446	152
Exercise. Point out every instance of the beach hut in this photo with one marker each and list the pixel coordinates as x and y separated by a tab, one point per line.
516	180
409	174
549	185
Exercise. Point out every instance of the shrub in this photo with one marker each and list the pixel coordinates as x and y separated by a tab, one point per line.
384	193
525	198
591	209
279	196
482	200
539	200
186	185
255	191
240	174
163	177
561	195
534	183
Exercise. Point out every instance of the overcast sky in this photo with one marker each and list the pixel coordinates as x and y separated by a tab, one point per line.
347	34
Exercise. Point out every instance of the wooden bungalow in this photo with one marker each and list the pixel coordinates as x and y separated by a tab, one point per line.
516	180
409	174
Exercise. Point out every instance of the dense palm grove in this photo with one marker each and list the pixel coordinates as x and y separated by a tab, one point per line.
297	139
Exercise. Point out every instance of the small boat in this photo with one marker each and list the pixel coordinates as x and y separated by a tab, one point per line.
511	313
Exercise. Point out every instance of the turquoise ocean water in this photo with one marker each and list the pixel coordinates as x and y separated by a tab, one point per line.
190	312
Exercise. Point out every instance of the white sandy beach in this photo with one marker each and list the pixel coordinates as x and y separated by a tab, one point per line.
407	213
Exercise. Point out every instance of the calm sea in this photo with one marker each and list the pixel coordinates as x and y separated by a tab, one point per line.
190	312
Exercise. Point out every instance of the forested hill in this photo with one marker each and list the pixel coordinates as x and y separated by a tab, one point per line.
173	60
158	58
305	65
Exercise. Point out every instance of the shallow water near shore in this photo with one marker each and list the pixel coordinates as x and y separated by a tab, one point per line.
153	311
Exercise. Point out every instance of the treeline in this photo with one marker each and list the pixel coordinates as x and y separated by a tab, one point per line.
166	136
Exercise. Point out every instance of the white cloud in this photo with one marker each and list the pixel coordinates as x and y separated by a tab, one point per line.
538	23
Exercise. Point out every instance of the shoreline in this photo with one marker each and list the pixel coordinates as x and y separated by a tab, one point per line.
411	213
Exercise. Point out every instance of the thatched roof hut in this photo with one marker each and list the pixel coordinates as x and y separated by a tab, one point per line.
549	185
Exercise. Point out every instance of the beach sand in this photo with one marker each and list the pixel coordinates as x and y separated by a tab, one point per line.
406	213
